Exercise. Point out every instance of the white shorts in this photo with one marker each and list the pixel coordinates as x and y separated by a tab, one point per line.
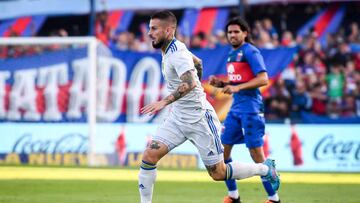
204	134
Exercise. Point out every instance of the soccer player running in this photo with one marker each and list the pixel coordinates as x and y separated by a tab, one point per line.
191	116
245	121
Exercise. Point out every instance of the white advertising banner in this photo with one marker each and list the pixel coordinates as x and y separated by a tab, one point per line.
326	148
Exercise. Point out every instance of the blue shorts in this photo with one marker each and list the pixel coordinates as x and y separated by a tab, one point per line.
248	128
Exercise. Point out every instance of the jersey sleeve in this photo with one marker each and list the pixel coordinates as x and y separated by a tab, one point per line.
255	60
182	61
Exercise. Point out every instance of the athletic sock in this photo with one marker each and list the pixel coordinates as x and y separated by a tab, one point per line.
234	194
267	186
274	197
147	178
231	184
237	170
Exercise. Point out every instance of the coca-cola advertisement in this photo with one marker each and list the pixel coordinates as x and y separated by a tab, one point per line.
298	147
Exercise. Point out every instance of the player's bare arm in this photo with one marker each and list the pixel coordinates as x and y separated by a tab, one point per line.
187	84
198	65
260	80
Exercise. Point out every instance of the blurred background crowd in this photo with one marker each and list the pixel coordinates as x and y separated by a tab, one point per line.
323	79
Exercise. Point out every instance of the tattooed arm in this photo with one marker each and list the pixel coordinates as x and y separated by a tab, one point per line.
198	65
187	84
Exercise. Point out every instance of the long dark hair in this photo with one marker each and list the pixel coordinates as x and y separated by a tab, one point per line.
244	26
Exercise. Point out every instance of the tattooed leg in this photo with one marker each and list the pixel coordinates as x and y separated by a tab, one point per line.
217	171
148	169
154	145
211	169
154	152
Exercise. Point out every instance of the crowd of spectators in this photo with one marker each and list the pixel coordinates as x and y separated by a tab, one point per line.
323	80
14	51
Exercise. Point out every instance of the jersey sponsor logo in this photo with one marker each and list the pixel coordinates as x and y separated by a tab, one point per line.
239	72
232	75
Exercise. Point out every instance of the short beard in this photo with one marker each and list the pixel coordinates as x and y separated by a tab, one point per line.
235	46
159	44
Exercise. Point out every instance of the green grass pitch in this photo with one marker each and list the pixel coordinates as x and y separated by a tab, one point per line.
77	185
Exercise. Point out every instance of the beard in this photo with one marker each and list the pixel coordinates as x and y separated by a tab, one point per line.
159	44
236	45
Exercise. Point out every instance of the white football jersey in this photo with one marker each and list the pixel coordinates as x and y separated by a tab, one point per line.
176	60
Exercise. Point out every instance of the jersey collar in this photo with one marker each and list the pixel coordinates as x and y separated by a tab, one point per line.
168	46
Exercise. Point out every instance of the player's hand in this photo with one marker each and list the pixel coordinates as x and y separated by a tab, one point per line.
152	108
229	89
214	81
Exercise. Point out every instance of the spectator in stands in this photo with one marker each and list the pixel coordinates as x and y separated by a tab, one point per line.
121	41
354	35
319	65
132	42
181	37
357	98
278	104
271	30
319	99
310	43
342	53
58	33
356	59
102	29
287	39
265	40
348	106
350	77
144	42
257	28
196	41
301	100
335	81
211	41
307	66
333	109
221	37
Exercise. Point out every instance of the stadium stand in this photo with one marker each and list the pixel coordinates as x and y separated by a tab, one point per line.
321	84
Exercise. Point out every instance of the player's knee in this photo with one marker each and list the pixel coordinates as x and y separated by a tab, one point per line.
217	171
150	157
217	176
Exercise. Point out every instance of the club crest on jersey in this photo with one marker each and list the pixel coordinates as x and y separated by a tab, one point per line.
239	56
